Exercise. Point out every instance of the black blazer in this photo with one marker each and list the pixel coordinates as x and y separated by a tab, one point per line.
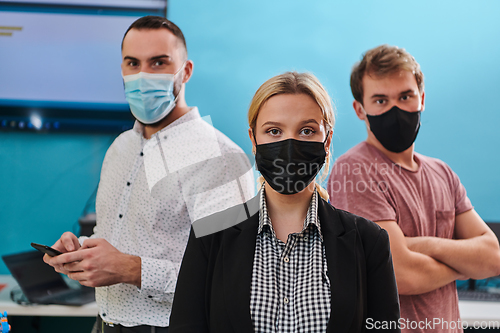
213	288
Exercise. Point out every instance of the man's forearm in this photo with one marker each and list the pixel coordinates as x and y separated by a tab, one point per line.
132	270
421	273
476	257
416	273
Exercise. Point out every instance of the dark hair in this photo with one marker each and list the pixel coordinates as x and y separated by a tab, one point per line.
157	22
381	61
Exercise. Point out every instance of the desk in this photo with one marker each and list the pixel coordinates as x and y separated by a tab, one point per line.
13	309
485	312
469	310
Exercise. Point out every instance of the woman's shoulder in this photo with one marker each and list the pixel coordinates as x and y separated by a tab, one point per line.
358	222
212	241
227	223
369	232
373	239
347	219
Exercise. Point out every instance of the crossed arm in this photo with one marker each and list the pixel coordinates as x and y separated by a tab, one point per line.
423	264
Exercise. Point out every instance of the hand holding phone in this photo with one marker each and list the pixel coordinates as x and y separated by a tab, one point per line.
46	249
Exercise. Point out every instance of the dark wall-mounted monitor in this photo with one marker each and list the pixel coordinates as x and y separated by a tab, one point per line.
60	63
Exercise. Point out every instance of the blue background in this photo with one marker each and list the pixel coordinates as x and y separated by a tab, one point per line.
46	179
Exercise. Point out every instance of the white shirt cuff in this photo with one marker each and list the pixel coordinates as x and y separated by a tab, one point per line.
158	279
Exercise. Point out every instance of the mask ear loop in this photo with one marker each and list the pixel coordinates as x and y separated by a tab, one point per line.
364	111
254	138
326	139
254	148
178	71
321	191
254	151
327	134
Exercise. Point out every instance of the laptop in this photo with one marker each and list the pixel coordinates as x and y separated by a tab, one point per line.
495	227
41	284
480	294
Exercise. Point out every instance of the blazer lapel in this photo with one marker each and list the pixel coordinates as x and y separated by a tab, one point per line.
340	247
238	248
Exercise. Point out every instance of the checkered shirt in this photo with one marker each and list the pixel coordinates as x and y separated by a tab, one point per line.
290	289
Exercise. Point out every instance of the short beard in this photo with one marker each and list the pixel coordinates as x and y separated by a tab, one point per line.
178	85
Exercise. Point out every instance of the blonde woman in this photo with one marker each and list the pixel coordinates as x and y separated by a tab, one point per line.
297	264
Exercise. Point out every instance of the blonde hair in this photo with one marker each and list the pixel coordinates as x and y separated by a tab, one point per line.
295	83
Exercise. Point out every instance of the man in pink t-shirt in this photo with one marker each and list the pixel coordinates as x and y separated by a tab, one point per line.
436	235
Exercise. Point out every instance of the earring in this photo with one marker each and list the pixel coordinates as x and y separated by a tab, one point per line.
254	150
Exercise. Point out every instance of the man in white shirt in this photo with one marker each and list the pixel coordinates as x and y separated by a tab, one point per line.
156	180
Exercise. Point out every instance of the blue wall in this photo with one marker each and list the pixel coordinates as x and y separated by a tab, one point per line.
237	45
45	179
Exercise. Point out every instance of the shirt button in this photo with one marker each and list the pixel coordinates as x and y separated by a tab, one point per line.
120	216
149	296
305	238
142	154
104	315
128	183
286	259
285	300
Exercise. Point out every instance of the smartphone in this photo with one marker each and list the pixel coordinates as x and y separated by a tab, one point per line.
46	249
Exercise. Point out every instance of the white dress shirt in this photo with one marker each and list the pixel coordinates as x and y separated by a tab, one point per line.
146	203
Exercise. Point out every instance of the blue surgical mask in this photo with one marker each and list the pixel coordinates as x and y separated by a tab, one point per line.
150	96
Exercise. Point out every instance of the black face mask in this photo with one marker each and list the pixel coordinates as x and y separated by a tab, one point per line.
395	129
289	166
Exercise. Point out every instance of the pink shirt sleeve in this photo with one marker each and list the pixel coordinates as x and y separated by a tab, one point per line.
355	187
462	201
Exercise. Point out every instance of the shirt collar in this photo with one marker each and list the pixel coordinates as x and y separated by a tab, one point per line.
311	217
192	114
